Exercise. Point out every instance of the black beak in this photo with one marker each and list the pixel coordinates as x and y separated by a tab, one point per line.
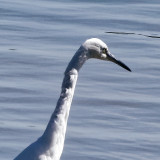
113	59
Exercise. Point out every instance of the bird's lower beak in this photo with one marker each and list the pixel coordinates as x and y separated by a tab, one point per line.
113	59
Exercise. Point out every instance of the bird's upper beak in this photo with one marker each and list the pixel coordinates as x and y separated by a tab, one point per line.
111	58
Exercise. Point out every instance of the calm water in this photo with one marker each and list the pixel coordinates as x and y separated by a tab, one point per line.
115	114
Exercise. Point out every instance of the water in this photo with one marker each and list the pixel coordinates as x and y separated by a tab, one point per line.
115	114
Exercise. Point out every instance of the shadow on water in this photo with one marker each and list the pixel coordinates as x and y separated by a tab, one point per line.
150	36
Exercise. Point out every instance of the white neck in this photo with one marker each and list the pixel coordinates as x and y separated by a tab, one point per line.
54	134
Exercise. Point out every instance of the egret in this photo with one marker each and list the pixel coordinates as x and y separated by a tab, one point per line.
50	145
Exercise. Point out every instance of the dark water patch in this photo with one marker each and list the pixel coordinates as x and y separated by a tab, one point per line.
17	90
139	34
25	100
12	49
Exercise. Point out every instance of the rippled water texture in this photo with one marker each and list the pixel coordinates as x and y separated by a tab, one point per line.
115	115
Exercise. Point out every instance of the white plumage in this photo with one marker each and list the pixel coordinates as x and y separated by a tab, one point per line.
50	145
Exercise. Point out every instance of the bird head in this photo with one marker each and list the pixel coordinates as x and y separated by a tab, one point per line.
96	48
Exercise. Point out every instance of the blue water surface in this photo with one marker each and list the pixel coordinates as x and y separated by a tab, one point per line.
115	115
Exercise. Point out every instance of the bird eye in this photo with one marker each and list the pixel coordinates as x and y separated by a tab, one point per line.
104	50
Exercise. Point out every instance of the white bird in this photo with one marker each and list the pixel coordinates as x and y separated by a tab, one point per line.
50	145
